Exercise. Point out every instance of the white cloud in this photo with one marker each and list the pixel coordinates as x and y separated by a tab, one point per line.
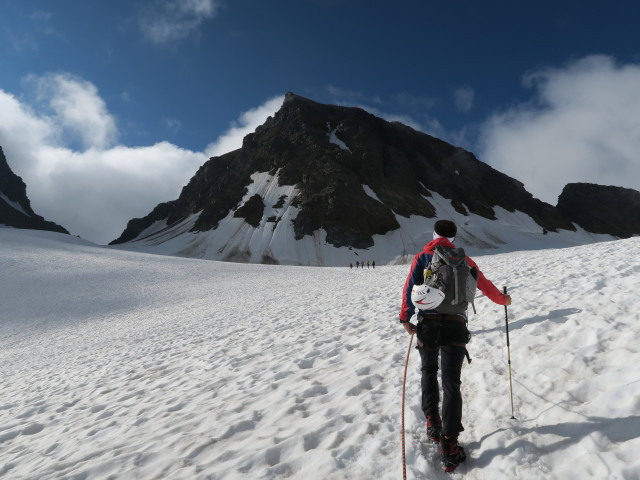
171	20
77	108
464	97
246	123
581	126
96	192
22	130
93	192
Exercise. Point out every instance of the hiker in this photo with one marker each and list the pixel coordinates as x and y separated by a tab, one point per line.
357	264
439	330
367	263
373	264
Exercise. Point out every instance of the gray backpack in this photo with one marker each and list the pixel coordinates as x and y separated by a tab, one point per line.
450	273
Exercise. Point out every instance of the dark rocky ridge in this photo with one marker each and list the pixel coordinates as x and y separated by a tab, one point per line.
602	209
398	163
12	186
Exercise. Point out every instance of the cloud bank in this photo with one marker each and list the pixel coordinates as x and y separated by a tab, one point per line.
580	126
94	189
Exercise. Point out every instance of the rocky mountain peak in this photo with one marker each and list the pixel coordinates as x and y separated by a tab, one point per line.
342	171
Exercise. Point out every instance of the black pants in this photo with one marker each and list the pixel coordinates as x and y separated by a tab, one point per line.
451	359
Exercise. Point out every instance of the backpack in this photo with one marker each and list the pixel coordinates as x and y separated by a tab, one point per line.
450	273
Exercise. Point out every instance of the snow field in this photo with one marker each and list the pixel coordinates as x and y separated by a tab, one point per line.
125	365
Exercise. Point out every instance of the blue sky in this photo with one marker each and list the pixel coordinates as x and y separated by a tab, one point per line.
118	102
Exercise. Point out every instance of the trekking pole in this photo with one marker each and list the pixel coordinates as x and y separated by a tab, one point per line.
404	382
506	323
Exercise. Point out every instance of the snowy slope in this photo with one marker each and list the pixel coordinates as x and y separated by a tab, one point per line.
274	241
118	364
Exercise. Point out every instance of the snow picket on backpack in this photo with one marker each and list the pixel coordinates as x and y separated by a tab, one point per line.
450	273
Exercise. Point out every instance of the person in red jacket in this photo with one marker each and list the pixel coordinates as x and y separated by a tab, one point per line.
446	428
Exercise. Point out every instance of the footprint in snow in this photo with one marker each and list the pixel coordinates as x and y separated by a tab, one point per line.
177	407
272	456
315	391
306	363
310	441
32	429
52	448
365	384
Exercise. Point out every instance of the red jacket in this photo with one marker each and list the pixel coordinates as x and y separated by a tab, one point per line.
422	260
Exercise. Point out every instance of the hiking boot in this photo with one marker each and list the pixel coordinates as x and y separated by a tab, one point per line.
434	427
452	453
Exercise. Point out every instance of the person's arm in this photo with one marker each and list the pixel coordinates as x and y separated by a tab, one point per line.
488	288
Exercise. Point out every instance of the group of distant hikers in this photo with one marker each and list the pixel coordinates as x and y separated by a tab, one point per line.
362	264
441	283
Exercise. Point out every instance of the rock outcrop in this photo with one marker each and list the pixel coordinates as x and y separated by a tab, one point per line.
602	209
15	207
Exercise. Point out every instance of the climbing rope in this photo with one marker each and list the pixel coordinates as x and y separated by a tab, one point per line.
404	382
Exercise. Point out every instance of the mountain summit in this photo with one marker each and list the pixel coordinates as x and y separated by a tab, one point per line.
323	185
15	207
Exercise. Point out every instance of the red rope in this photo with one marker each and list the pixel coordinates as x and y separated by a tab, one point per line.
404	382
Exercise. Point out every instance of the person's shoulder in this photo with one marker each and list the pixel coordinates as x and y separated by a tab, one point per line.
471	262
422	257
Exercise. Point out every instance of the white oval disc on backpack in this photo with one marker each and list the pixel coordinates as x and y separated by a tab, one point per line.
425	297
